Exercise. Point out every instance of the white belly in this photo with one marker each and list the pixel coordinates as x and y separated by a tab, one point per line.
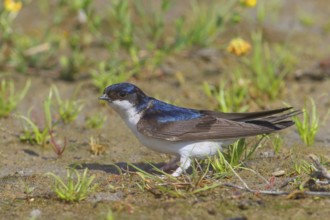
196	149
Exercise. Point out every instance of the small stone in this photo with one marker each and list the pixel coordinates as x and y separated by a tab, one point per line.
278	173
35	213
211	211
267	154
106	197
20	172
207	54
167	69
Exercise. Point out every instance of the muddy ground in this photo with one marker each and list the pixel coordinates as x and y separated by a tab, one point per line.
23	166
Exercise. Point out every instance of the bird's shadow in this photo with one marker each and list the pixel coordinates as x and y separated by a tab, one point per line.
121	167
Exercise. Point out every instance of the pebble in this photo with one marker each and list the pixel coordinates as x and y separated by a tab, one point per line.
278	173
267	154
106	197
35	213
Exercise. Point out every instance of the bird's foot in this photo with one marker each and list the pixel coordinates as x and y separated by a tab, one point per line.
184	165
170	165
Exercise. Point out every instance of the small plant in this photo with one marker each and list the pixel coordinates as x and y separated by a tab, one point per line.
76	60
83	25
109	215
70	65
27	189
59	150
95	121
235	155
153	20
268	68
8	12
95	147
33	53
236	151
224	162
306	19
204	23
73	63
68	109
34	134
276	142
76	188
309	125
311	174
38	134
8	98
186	185
85	17
303	167
220	164
124	28
238	46
232	98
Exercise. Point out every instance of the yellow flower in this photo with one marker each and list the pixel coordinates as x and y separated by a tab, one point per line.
249	3
238	46
12	6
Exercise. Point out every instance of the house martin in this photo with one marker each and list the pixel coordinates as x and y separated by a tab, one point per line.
184	132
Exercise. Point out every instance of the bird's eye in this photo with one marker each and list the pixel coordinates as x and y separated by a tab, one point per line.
122	94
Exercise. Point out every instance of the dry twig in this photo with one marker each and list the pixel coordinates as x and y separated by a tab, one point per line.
321	172
279	193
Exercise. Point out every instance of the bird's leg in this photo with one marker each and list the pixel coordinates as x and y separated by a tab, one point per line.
171	164
184	164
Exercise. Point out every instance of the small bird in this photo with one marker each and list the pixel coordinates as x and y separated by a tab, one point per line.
184	132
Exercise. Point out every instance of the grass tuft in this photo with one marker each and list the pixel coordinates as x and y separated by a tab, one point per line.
229	98
233	158
95	121
76	188
8	98
164	184
309	125
68	109
34	133
268	67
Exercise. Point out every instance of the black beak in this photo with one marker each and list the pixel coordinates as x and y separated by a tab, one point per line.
104	97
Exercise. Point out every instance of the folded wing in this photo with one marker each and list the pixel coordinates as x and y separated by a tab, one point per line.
212	127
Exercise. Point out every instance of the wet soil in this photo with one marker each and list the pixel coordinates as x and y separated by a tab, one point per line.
23	166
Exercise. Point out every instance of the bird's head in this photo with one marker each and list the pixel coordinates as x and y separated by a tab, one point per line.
123	96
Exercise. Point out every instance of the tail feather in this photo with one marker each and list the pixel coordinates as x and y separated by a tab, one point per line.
277	122
242	117
267	121
284	124
278	118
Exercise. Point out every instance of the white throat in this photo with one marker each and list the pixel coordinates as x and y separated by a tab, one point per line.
127	112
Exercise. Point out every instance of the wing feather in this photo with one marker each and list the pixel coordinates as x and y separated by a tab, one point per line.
216	125
204	128
244	116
